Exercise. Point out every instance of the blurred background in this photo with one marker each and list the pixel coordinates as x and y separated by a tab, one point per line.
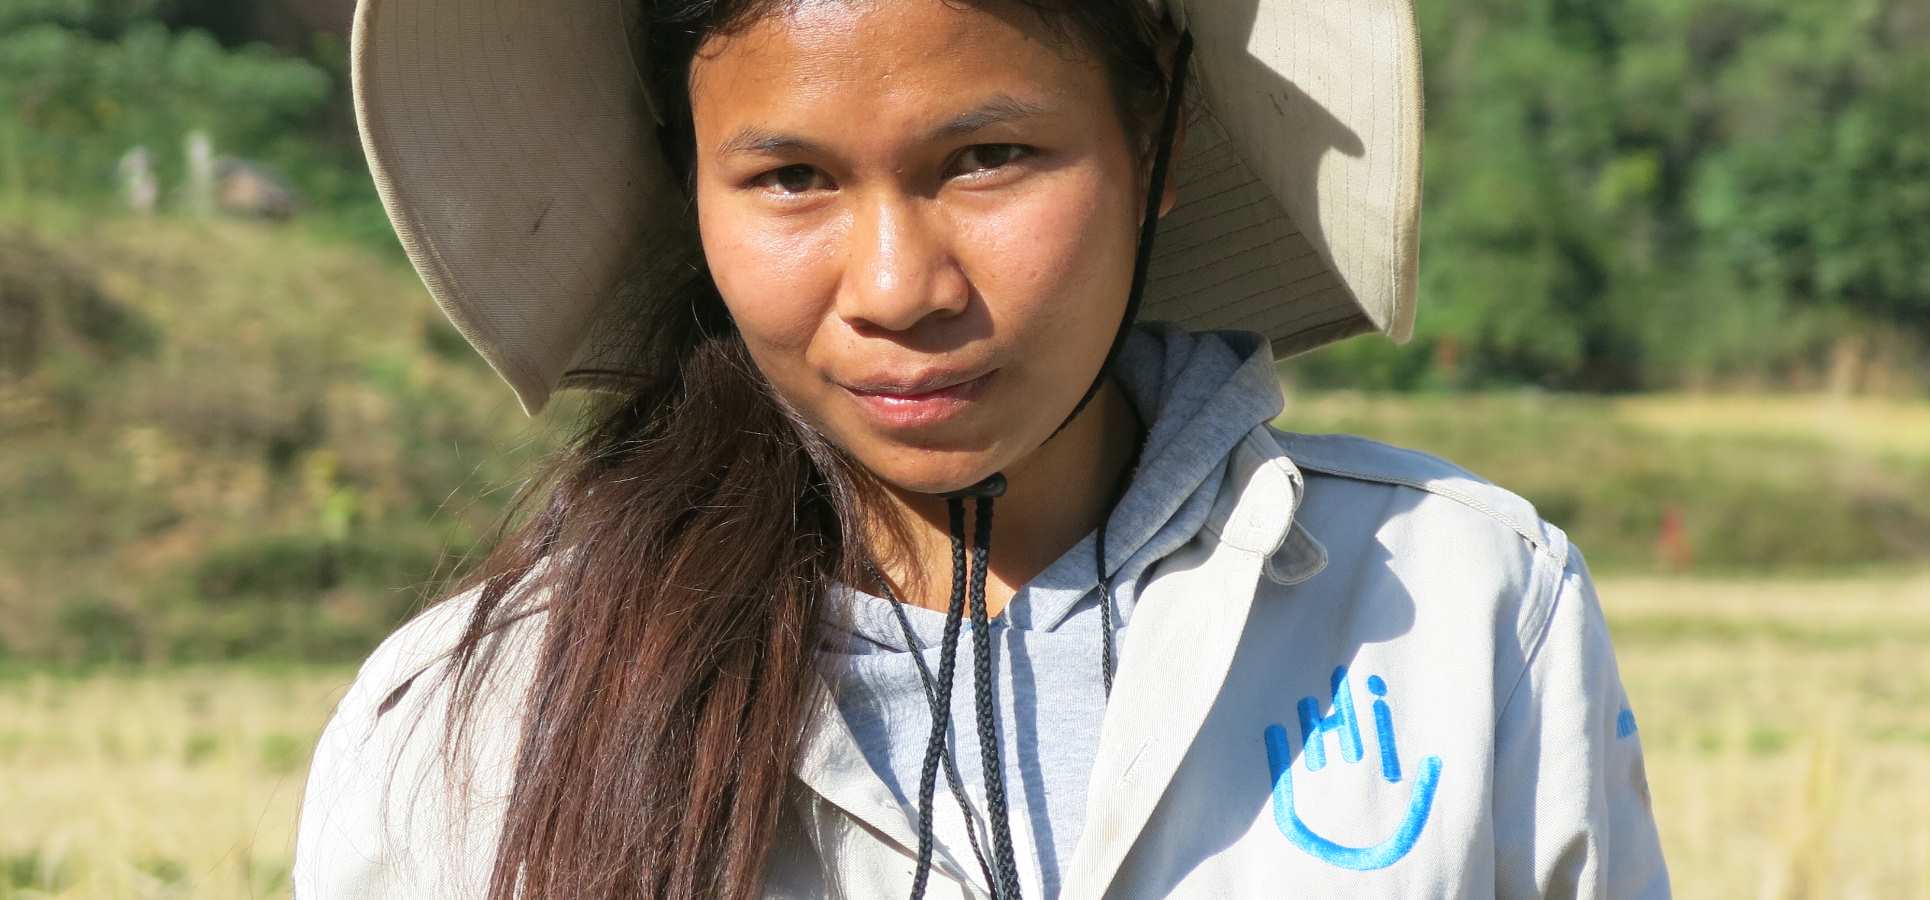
1676	292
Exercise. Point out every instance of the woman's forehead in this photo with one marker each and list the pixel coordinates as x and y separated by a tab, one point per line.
941	57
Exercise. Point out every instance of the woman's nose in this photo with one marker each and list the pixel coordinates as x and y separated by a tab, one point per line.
899	269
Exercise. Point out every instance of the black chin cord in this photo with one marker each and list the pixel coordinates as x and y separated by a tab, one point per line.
1004	866
940	696
1105	580
1001	871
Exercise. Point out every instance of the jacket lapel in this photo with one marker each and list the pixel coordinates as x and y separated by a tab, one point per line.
847	808
1178	651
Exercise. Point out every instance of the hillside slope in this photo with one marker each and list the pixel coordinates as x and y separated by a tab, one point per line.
222	439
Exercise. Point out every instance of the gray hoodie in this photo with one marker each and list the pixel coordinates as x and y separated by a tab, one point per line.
1199	394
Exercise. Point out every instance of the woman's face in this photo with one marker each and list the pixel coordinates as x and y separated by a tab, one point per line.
922	216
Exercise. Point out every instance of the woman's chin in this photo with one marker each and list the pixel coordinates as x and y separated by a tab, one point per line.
933	472
942	482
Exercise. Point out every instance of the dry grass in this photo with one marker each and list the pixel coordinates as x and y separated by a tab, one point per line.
1787	729
1853	424
174	784
1787	726
1741	485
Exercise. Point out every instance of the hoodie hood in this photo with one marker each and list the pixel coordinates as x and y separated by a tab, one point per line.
1201	392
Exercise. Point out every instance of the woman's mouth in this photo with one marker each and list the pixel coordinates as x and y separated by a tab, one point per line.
920	402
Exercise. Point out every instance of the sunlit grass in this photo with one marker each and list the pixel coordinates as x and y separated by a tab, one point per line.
1738	485
1863	425
1786	724
181	783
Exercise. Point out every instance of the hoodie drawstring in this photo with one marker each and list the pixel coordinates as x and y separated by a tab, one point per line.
1001	871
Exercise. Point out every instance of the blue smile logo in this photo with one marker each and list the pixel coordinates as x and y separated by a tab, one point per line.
1313	737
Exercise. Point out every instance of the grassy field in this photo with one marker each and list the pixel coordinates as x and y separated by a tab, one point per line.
1738	485
181	783
1787	729
1786	721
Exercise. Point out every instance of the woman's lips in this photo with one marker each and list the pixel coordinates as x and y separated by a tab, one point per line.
895	407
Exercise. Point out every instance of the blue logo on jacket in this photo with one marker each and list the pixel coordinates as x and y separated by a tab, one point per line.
1342	723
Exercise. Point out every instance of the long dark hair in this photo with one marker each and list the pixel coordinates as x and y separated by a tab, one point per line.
678	546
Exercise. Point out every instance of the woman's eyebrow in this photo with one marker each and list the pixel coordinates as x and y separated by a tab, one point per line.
997	110
752	139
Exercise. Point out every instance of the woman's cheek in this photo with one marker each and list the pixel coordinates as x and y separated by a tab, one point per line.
778	282
1050	259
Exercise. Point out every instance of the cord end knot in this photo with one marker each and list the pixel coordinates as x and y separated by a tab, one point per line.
993	485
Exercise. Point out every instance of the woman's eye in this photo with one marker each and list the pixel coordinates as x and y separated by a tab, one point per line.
986	157
797	179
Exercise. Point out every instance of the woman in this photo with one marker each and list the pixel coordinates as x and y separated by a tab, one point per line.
855	275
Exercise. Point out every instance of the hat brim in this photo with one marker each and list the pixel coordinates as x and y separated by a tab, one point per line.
513	149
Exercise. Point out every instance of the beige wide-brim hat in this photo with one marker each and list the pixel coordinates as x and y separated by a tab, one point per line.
514	148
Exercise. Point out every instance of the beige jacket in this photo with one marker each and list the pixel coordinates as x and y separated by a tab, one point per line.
1371	675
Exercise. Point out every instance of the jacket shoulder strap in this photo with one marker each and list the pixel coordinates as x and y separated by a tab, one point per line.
1360	459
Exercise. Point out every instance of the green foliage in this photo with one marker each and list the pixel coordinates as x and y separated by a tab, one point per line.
78	102
270	596
45	305
1834	214
94	629
284	754
99	17
1642	193
29	872
82	82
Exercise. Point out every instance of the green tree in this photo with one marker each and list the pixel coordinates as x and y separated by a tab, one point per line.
1638	193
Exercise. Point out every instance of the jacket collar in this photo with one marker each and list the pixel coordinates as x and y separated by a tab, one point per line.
1299	558
1261	514
1194	610
846	796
